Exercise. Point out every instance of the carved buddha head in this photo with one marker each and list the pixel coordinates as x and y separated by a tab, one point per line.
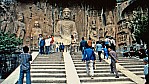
66	13
36	24
20	17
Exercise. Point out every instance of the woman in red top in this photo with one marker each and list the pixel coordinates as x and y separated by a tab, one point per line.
89	42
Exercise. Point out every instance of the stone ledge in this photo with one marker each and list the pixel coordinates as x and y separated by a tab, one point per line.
71	73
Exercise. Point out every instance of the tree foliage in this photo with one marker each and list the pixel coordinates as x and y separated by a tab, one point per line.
9	42
140	24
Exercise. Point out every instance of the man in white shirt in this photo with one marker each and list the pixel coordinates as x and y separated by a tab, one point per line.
47	44
112	43
107	43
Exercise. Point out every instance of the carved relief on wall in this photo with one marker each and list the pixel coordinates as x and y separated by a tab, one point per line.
20	29
110	19
110	30
94	28
101	33
7	23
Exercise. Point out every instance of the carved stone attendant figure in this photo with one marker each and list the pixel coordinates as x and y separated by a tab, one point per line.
65	28
20	29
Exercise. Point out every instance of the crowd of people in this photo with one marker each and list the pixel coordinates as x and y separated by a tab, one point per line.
88	55
47	45
108	47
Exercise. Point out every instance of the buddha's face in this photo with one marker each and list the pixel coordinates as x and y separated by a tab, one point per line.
20	17
36	24
66	13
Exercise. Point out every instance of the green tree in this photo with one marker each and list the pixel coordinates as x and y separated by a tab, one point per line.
9	42
140	24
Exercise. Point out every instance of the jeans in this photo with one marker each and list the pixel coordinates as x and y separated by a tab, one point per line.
113	68
47	49
146	78
56	49
41	49
89	64
51	48
99	54
21	77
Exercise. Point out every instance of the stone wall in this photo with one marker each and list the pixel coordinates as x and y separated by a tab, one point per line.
42	19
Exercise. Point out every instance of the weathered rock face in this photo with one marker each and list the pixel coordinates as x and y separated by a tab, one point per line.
46	19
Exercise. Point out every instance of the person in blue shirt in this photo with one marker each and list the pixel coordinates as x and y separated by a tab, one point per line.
106	53
99	49
61	47
83	45
42	44
145	60
89	57
25	59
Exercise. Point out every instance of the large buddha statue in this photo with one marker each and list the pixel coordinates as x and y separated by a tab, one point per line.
65	28
36	31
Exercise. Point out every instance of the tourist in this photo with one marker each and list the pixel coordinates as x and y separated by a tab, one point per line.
106	53
61	47
112	43
89	57
125	52
57	46
42	44
47	44
25	57
142	53
145	60
114	60
99	49
39	39
83	45
73	42
107	42
131	52
51	44
89	42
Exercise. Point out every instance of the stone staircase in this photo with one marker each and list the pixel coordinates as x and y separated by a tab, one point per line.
48	69
102	73
133	64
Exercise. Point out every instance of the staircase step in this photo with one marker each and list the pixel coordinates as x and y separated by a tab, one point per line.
104	79
47	80
111	82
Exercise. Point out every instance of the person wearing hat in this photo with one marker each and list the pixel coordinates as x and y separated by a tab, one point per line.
145	60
